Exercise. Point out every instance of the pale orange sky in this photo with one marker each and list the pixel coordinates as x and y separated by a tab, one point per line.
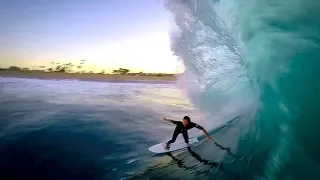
108	35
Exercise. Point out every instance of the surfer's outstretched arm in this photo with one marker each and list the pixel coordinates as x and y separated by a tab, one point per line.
203	130
167	119
206	133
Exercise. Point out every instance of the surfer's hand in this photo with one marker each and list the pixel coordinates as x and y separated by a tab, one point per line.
167	119
207	134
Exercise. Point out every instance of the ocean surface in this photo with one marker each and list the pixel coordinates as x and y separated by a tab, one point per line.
95	130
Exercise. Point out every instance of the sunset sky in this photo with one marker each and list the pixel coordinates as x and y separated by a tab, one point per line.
108	34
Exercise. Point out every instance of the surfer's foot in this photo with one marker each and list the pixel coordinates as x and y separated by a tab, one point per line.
166	146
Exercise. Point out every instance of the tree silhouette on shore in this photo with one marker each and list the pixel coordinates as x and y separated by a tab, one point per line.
72	68
64	68
121	71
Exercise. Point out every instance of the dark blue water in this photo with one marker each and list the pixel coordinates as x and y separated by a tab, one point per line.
84	130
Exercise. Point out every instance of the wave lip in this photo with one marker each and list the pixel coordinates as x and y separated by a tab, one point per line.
262	58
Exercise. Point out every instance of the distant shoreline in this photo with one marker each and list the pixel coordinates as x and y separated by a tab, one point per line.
90	77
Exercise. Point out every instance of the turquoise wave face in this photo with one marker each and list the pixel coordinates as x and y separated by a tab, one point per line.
256	57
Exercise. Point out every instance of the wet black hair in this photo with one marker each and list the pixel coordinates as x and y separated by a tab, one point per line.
187	118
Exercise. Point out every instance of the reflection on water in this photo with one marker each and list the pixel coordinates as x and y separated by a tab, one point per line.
191	165
169	97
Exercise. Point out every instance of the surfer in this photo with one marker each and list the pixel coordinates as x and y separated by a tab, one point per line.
183	127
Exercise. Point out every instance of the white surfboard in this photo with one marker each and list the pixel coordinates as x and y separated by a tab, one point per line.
159	148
